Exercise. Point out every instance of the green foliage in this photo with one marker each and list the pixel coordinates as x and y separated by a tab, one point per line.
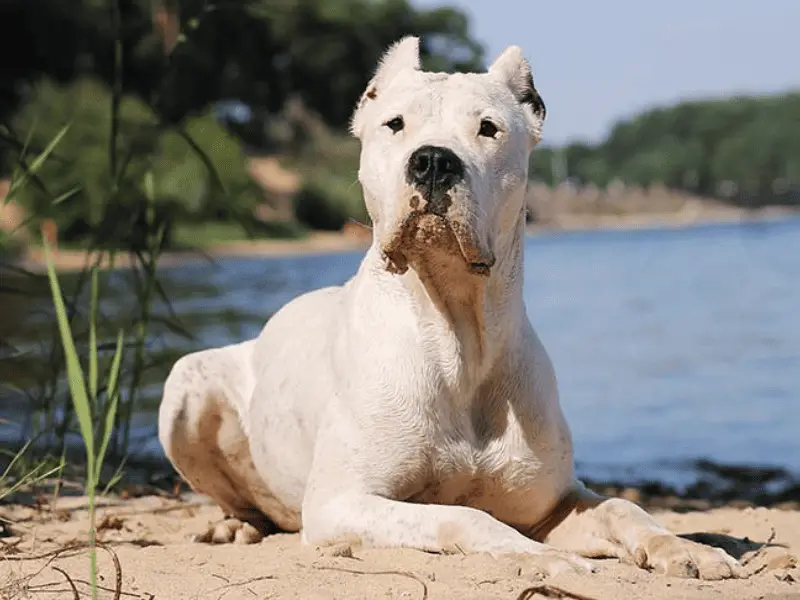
9	246
20	473
335	45
327	201
331	194
752	142
259	51
131	90
126	215
80	173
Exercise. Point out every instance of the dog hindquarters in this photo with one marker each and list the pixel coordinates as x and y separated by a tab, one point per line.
201	433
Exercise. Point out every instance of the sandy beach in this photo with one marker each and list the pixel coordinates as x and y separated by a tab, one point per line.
149	538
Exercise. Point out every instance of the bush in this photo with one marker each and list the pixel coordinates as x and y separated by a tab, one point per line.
327	201
153	176
10	246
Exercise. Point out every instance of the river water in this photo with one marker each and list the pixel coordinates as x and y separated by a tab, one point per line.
671	345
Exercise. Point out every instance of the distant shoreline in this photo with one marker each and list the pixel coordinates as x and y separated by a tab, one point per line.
335	242
671	220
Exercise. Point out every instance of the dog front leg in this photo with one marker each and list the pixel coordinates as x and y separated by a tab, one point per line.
613	527
380	522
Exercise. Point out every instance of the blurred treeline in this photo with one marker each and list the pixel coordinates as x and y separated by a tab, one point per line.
744	150
166	100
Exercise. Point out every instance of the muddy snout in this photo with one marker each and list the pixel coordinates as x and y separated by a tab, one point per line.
433	171
438	217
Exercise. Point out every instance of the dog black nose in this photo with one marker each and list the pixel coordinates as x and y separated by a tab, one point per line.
433	170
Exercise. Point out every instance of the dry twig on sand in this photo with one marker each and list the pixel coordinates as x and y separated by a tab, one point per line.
54	554
75	594
550	591
400	573
234	584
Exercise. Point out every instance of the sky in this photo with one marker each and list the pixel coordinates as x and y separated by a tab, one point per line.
595	62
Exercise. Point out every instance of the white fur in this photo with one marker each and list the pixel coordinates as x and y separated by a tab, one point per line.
414	405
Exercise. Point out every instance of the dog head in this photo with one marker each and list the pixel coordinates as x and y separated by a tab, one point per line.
444	157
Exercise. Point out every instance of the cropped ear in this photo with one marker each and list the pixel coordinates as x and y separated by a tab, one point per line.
402	55
512	68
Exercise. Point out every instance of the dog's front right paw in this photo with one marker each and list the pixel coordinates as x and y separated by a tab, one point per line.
678	557
229	531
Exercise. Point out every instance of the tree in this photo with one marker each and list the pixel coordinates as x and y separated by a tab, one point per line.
147	73
261	52
702	146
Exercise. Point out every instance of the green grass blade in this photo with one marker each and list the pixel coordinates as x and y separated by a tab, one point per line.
31	478
115	478
112	402
17	457
24	150
77	385
67	195
93	340
149	186
29	172
45	154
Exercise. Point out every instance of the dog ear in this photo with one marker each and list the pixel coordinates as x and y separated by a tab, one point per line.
402	55
515	71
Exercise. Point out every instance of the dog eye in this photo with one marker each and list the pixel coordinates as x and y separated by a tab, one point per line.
487	129
395	124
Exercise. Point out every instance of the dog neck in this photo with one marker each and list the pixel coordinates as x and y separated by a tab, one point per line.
470	321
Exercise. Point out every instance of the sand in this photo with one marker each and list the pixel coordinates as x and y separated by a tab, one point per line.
157	561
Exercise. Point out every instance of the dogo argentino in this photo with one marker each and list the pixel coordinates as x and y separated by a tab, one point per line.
414	406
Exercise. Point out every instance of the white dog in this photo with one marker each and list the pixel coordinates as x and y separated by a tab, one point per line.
414	406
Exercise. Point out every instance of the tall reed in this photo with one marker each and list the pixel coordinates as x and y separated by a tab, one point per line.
96	413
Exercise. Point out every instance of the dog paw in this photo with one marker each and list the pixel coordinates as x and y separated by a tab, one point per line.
229	531
551	564
676	557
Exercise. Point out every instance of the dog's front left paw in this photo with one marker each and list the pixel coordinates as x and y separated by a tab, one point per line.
229	531
553	563
677	557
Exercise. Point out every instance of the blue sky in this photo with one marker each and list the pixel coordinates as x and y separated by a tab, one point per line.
597	61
